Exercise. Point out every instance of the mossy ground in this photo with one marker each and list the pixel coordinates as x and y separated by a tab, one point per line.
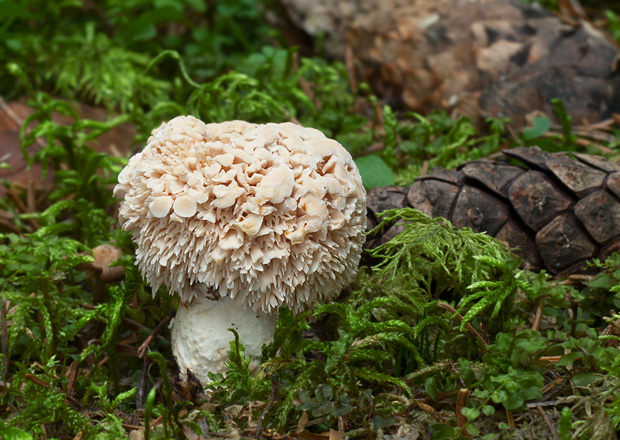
441	336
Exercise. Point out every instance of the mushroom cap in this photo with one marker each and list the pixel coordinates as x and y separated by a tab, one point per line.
269	214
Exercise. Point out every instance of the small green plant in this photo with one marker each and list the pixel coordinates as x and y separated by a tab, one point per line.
327	378
439	140
430	256
240	384
496	293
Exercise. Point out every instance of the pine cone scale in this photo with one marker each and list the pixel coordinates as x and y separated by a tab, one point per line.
536	199
479	210
600	214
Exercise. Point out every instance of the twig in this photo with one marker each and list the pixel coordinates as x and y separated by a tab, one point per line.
71	377
25	209
605	125
127	349
30	203
577	279
552	429
537	318
549	403
131	324
424	170
101	363
9	111
44	384
512	132
272	399
510	418
8	225
350	66
374	148
134	427
304	84
472	330
155	332
5	336
457	371
34	223
429	410
551	359
16	119
157	421
552	385
461	420
307	89
574	9
614	323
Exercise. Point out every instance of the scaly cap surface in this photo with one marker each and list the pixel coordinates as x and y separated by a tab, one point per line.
270	214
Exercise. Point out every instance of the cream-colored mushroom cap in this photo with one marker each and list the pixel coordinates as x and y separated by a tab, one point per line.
270	214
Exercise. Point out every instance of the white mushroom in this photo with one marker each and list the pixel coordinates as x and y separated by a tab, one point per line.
239	219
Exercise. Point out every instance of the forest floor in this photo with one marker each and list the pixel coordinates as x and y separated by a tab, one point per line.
85	348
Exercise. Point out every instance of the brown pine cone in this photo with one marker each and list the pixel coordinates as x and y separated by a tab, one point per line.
478	58
558	210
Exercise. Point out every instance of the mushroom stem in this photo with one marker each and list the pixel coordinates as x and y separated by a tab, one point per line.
201	336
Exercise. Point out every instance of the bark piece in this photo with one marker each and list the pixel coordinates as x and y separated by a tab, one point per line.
439	173
531	156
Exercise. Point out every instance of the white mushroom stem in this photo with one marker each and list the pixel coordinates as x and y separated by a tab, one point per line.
201	339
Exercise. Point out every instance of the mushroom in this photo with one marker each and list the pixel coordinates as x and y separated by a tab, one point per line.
239	219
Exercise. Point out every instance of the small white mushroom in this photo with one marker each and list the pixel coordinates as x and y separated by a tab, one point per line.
254	216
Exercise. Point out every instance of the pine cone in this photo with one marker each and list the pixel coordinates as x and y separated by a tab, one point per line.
558	210
477	58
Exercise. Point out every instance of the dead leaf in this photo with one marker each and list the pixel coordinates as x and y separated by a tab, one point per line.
189	434
336	435
303	421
